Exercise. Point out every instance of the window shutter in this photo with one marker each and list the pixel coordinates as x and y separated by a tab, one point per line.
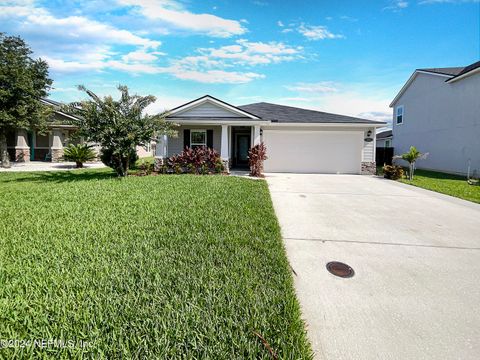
186	138
210	138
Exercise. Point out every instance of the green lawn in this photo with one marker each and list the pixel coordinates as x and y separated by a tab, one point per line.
145	267
446	184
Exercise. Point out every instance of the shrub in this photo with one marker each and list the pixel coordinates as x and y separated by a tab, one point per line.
79	154
256	156
411	157
117	161
145	166
393	172
199	160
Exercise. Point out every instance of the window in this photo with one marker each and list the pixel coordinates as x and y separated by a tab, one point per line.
198	138
388	143
399	115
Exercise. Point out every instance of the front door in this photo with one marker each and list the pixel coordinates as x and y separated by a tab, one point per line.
241	150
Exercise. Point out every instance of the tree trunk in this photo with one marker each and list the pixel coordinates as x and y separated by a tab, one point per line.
79	164
5	158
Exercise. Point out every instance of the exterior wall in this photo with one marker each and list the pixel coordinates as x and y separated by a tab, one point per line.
368	152
175	145
381	143
143	152
207	110
442	119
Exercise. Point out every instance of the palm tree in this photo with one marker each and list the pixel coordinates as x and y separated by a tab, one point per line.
79	153
411	157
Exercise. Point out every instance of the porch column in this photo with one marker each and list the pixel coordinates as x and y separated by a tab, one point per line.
57	145
256	135
160	152
224	153
22	150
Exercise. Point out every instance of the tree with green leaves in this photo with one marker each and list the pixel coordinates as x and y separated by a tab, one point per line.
23	82
411	157
118	126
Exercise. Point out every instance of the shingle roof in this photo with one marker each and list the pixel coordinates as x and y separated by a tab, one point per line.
446	71
384	134
289	114
467	69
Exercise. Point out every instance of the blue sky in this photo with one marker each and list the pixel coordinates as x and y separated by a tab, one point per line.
347	57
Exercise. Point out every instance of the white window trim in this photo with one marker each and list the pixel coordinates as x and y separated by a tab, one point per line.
396	114
388	142
198	144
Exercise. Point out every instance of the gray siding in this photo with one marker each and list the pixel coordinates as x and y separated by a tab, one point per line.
207	110
442	119
175	145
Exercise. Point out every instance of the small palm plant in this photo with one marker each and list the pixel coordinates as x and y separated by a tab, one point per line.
79	154
411	157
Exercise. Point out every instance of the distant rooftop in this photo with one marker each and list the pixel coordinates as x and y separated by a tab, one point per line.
384	134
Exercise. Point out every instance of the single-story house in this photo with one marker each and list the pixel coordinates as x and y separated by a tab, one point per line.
297	140
29	145
24	145
438	111
384	139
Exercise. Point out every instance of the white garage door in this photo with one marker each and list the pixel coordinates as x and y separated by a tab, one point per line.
329	152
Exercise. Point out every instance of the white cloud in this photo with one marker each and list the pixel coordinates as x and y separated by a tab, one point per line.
279	23
317	32
217	76
396	5
340	99
319	87
212	65
76	28
347	103
247	53
165	102
174	14
77	44
141	55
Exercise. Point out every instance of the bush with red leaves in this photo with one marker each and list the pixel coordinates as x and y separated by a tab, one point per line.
256	156
198	160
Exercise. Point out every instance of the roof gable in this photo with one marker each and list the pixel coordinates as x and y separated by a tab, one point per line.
412	78
209	107
451	74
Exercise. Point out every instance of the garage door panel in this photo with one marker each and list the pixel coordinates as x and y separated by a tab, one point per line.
337	152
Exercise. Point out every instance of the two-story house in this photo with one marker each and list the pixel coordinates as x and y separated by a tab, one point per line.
438	111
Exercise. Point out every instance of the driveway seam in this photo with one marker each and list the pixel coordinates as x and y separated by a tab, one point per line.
382	243
348	194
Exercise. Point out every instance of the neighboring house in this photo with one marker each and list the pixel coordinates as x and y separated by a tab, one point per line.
384	139
438	111
24	146
297	140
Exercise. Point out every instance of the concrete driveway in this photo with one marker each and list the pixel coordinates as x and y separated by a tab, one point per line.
416	256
